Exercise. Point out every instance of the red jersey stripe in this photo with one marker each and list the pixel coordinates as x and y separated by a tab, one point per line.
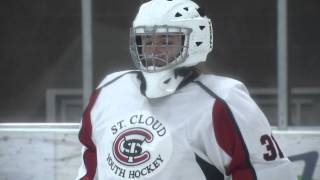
230	140
89	156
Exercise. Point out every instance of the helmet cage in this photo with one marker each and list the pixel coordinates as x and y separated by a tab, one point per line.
154	62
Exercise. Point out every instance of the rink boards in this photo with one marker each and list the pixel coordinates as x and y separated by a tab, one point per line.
52	151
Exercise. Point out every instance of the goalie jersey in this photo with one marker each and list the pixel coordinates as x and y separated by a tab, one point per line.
212	119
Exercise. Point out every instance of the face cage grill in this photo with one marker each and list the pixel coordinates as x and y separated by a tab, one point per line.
150	63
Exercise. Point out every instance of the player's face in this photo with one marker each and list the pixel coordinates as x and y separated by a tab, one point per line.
162	49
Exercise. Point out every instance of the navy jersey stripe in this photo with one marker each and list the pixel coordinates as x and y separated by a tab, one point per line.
118	77
210	171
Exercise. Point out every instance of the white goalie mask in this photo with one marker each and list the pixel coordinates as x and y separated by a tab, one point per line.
168	35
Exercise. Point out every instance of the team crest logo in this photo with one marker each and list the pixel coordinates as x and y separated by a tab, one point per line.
127	147
141	146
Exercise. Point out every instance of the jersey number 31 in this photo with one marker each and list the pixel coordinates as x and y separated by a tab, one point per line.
272	147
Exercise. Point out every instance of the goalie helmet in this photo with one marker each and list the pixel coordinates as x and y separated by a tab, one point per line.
168	35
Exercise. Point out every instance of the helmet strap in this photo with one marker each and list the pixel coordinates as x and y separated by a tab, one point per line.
189	74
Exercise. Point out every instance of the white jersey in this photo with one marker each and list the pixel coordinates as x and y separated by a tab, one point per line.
211	119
